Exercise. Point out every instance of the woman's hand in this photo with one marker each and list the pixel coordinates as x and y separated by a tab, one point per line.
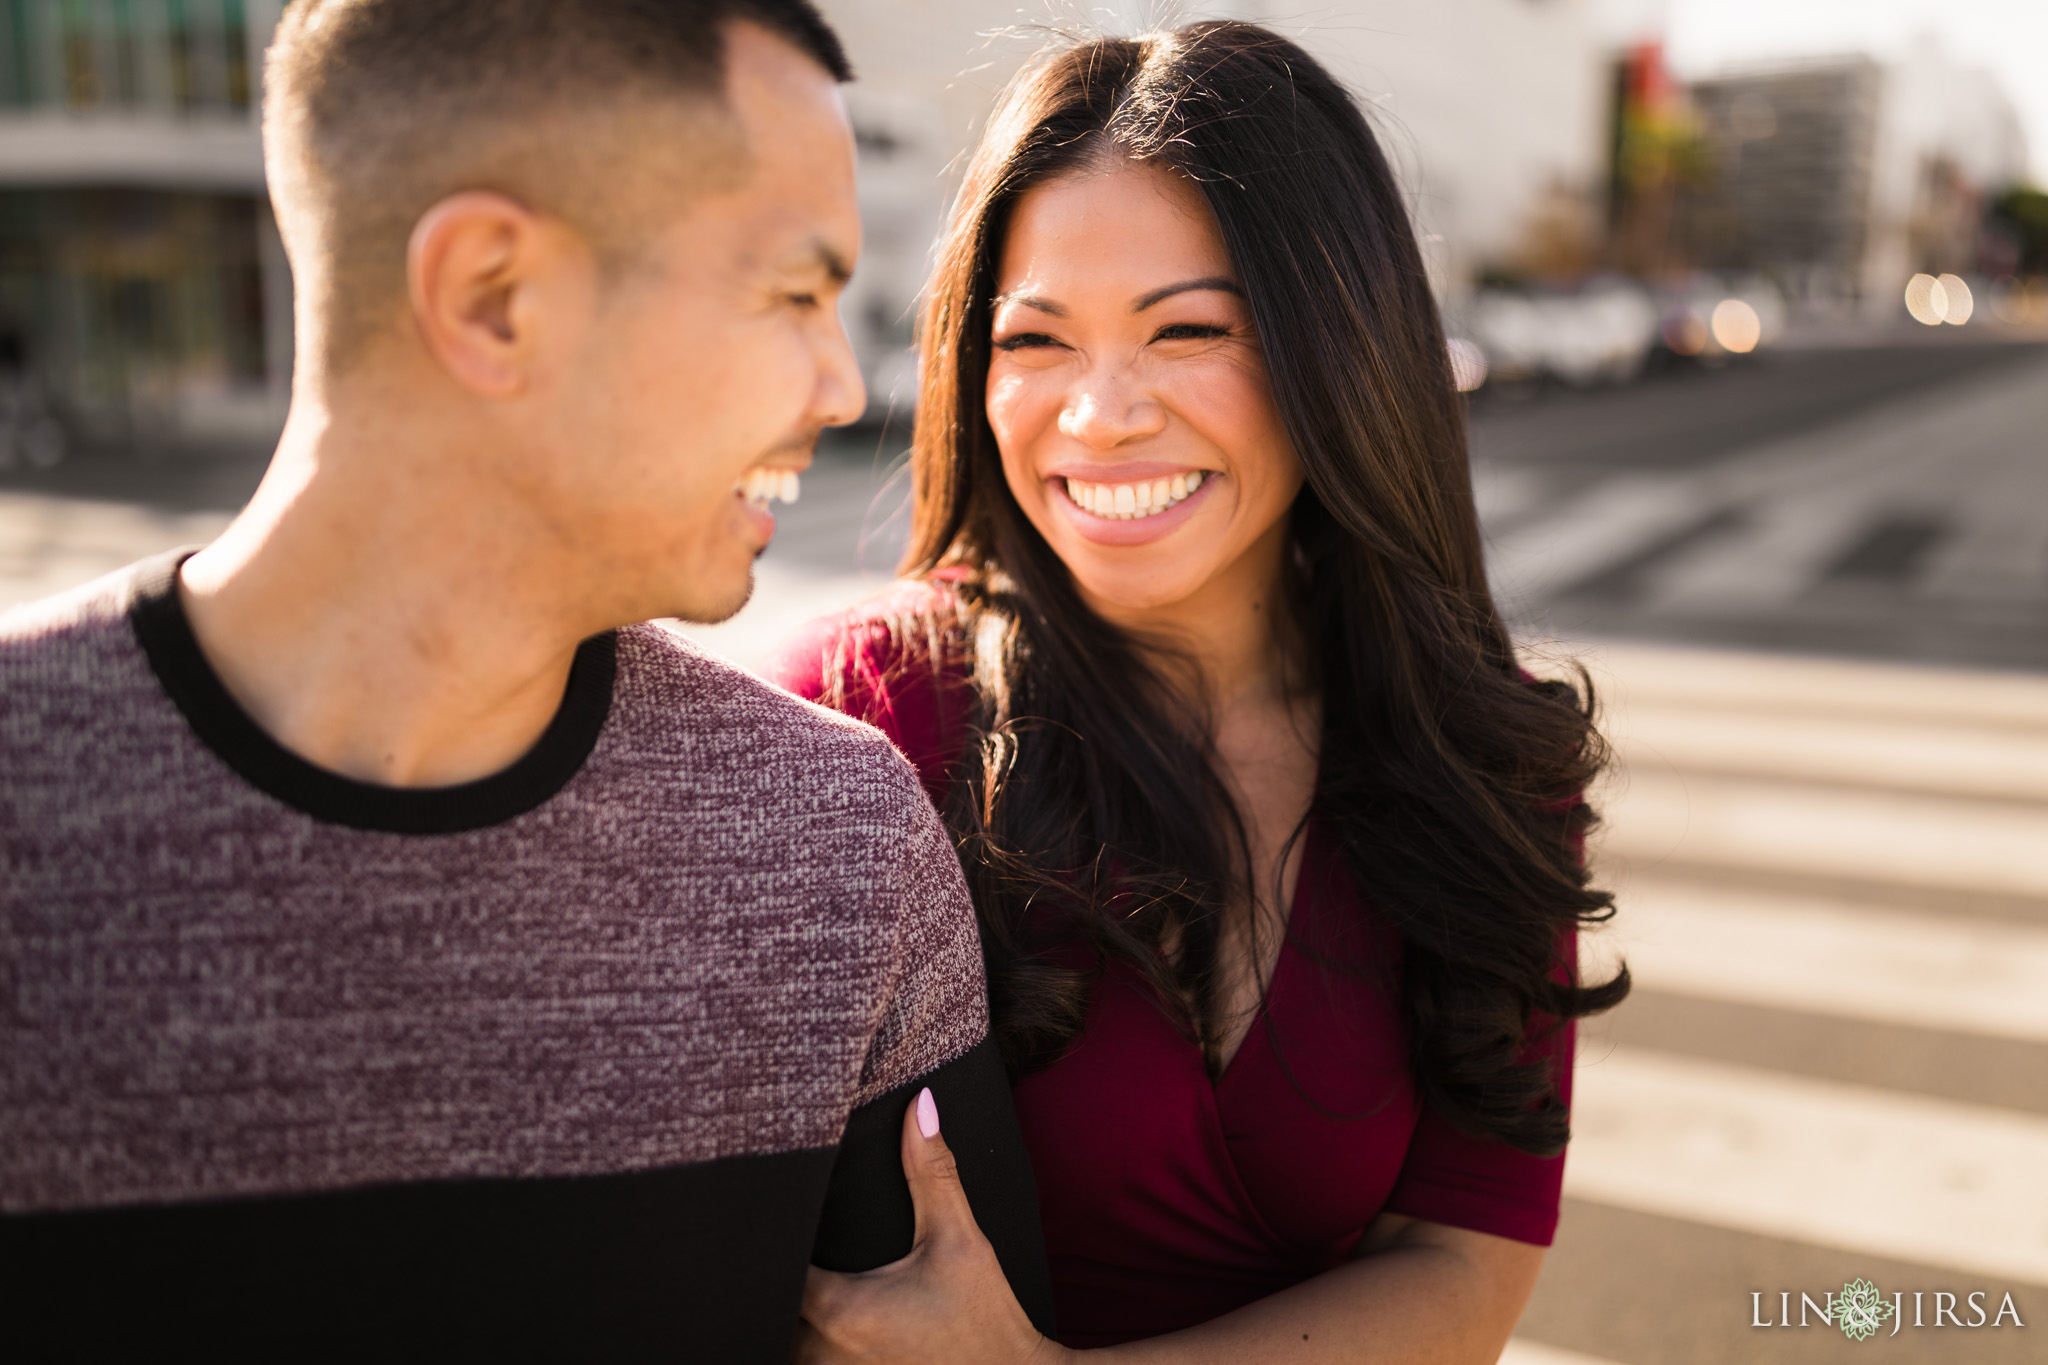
945	1303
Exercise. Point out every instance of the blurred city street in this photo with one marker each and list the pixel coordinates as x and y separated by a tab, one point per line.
1751	305
1886	502
1833	871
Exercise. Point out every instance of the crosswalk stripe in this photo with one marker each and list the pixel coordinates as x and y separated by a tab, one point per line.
1834	957
1911	839
1931	1181
1777	554
1587	533
1955	760
1765	684
1523	1352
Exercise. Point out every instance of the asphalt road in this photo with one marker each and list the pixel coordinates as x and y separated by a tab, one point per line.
1880	503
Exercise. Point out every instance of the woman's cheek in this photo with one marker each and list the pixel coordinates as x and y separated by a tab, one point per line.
1017	414
1227	404
1009	403
1231	405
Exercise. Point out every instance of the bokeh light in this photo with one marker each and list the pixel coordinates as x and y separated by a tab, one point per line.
1736	326
1957	305
1926	300
1683	331
1468	364
2017	302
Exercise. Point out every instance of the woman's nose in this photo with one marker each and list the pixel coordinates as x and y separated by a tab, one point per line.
1107	412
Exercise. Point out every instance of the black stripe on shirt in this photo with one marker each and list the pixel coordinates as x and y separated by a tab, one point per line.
701	1262
157	613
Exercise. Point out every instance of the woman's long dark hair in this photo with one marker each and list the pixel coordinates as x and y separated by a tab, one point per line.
1088	805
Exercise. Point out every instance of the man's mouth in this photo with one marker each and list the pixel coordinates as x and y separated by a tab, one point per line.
761	486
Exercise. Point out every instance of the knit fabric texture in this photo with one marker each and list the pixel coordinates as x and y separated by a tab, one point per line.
737	919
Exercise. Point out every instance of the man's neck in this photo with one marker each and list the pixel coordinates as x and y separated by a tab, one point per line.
380	608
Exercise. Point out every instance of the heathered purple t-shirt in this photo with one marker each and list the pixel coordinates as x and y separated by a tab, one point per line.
566	1062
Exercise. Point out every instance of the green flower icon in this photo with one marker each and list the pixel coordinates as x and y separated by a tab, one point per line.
1860	1310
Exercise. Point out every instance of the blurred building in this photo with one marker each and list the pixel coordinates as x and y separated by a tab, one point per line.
1494	112
144	297
1844	178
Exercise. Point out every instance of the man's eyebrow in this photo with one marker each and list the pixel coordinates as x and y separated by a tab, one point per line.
1184	287
833	263
1030	301
821	255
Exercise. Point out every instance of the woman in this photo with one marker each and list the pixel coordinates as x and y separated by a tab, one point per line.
1275	848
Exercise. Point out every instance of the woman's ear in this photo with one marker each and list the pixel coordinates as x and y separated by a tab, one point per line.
495	288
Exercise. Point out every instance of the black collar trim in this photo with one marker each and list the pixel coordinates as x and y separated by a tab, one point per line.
158	617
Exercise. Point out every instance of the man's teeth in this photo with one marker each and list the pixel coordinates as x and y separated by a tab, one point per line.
764	486
1133	501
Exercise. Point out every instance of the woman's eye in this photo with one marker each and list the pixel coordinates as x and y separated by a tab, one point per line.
1023	341
1191	331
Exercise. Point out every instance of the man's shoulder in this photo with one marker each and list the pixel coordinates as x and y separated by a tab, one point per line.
74	644
675	693
62	620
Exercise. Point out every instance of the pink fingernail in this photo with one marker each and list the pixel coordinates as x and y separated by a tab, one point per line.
927	1114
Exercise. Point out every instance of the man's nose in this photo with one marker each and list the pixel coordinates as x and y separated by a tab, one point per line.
842	395
1105	410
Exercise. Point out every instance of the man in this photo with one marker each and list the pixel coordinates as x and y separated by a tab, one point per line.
405	953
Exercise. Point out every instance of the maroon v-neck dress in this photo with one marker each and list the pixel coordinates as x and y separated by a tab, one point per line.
1169	1199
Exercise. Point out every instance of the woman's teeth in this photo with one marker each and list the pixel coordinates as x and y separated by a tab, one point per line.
1132	501
763	486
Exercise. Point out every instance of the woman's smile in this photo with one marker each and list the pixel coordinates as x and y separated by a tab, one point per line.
1129	504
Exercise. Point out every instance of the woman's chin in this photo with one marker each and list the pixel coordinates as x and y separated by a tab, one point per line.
1120	592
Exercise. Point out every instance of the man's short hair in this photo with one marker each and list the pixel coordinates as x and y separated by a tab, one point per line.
375	110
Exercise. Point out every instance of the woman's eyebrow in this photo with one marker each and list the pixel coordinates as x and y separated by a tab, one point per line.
1186	286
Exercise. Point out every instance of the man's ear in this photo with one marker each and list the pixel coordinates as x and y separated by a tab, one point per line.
495	288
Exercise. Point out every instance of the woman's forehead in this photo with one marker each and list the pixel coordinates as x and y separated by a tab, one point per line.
1131	227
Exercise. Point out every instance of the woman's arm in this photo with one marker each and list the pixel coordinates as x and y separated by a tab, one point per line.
1418	1292
1424	1292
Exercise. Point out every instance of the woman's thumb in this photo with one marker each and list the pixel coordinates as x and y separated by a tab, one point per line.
935	1192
